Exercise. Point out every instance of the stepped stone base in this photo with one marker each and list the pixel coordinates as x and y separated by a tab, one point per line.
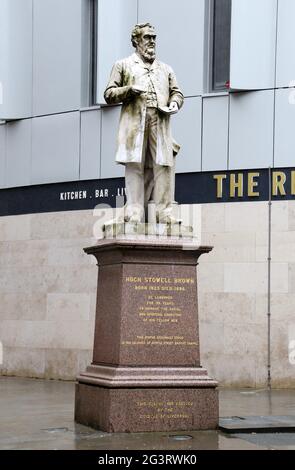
146	373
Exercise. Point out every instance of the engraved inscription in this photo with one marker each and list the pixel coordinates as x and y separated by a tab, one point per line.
152	410
160	315
161	309
159	341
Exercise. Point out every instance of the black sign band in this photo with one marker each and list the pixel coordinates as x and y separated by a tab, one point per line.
191	188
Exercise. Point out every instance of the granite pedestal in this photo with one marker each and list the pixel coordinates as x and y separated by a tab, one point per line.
146	373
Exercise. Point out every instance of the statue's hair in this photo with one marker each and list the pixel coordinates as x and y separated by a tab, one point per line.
137	31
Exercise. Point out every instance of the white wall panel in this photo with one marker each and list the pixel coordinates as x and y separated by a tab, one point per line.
215	133
116	18
90	144
2	154
18	153
55	148
186	126
57	56
251	130
15	59
180	29
286	40
253	44
285	125
109	131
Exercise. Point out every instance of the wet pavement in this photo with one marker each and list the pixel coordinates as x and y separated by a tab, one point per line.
38	414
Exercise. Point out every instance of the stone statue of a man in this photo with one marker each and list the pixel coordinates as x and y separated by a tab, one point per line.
149	92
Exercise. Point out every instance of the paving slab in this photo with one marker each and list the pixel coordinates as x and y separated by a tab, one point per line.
39	414
262	424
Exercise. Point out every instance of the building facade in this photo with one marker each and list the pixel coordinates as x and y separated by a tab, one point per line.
235	64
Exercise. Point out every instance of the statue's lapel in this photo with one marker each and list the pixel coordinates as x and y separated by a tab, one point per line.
155	65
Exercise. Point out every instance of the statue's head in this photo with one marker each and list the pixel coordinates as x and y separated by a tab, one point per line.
143	38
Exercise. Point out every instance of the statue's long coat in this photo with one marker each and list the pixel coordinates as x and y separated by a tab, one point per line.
133	71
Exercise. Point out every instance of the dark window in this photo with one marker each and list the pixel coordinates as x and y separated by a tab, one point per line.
221	22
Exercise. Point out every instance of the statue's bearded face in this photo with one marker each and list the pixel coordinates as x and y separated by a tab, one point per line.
146	44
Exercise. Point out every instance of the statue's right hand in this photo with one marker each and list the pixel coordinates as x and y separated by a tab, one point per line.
136	90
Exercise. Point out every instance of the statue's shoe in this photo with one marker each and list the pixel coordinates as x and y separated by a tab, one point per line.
169	219
133	219
115	221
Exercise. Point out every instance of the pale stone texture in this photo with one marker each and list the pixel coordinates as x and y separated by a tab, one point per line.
285	302
23	306
75	307
292	278
261	307
72	335
231	370
60	363
252	277
84	359
246	216
283	371
23	362
243	277
212	334
16	227
48	291
27	254
228	308
261	246
291	214
281	216
27	334
56	225
47	279
244	339
211	276
68	252
233	292
229	247
213	218
283	247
